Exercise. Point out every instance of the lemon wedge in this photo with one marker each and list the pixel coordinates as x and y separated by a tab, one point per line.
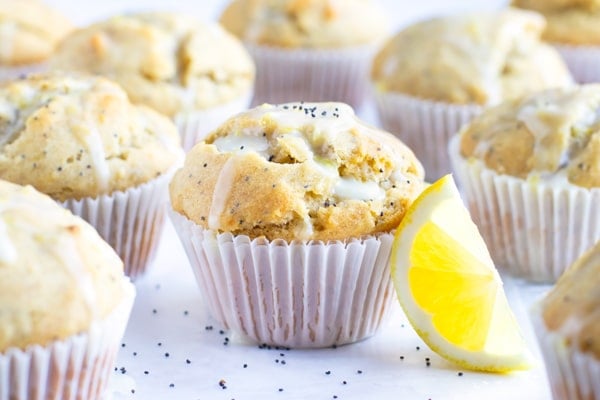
449	288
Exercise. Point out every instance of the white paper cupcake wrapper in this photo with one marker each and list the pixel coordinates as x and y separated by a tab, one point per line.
285	75
8	73
195	126
535	231
424	126
302	295
573	375
131	221
77	368
583	62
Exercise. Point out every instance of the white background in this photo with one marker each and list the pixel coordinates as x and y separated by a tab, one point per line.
169	315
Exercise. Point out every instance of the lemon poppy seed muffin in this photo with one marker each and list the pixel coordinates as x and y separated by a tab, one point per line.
286	213
29	32
64	298
194	72
574	29
297	171
531	173
74	136
568	327
435	75
81	141
312	50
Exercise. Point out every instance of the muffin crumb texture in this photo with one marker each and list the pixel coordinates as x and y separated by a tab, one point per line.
29	31
480	58
306	23
297	171
553	134
56	274
169	62
74	137
572	307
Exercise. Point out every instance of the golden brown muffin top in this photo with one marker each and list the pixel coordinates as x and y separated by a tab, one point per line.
306	23
75	136
574	22
572	307
480	58
57	275
29	31
297	171
550	134
170	62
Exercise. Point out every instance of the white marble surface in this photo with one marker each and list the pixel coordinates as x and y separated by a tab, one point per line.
168	352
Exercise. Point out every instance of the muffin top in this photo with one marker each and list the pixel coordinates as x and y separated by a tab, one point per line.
297	171
306	23
73	137
575	22
29	31
554	134
56	274
475	58
572	307
169	62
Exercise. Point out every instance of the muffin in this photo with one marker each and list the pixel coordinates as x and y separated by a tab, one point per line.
195	73
435	75
567	325
286	213
530	170
315	50
80	140
29	31
64	301
574	29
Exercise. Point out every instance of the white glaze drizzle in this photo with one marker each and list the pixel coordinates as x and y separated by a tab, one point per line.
221	192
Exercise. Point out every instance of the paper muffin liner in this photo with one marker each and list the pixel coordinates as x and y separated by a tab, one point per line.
77	368
533	230
196	125
299	294
425	126
583	62
131	221
8	73
573	374
285	75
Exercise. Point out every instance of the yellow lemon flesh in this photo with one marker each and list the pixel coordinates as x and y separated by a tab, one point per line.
449	288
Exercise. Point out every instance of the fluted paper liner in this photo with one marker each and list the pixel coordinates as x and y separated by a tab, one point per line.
573	375
77	368
425	126
533	230
583	61
285	75
194	126
299	294
131	221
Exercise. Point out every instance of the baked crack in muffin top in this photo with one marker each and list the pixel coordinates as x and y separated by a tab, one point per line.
297	171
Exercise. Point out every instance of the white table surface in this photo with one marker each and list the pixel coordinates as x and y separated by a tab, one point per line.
170	351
